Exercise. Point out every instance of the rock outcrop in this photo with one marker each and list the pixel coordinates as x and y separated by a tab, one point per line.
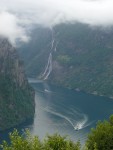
16	95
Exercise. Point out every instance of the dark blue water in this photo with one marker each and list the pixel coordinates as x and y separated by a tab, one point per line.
65	111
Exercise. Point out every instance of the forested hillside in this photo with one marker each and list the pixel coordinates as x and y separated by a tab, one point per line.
82	56
16	95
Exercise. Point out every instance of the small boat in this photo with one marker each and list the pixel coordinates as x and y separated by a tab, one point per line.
76	128
47	90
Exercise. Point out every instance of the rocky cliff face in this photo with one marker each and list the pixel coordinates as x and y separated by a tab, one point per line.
16	96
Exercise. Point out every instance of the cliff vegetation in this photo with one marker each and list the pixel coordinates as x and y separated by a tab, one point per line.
16	95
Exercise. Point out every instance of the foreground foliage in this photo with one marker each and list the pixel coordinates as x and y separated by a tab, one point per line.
100	138
54	142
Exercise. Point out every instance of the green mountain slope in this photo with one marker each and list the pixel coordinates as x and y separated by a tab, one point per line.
83	58
16	96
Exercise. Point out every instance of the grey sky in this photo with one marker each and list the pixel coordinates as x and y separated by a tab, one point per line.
14	14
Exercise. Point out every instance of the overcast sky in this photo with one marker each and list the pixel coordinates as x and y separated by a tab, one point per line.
16	16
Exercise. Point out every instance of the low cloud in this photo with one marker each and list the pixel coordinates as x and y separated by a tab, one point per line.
11	29
18	15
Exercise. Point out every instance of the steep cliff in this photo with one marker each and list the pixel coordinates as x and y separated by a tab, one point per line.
82	57
16	96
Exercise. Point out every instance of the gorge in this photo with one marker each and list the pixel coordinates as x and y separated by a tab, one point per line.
74	56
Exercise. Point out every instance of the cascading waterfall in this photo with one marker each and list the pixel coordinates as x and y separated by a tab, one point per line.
48	68
55	49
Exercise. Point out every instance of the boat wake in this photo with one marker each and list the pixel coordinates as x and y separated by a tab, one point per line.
77	124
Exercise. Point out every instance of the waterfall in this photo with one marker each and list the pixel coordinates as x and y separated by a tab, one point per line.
55	48
48	68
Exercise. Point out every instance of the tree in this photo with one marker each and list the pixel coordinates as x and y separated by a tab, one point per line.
57	142
27	142
101	138
22	142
